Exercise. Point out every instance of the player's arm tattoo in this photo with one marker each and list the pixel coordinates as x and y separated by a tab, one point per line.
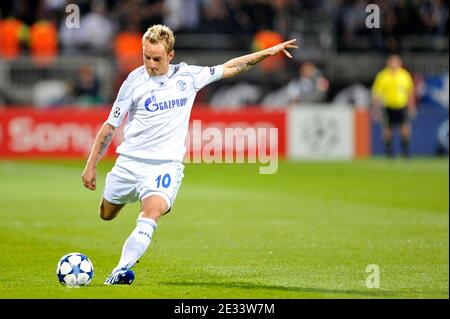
104	143
243	63
101	143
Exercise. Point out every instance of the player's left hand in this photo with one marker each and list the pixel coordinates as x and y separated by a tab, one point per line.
283	47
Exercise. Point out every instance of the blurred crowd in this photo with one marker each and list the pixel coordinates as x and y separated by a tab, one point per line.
103	21
45	29
399	18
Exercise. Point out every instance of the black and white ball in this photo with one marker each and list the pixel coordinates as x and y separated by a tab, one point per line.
75	270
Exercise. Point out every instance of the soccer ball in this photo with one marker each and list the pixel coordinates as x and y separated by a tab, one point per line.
74	270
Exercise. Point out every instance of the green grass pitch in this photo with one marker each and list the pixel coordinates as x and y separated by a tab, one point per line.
308	231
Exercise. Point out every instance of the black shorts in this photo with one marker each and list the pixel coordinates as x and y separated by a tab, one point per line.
394	117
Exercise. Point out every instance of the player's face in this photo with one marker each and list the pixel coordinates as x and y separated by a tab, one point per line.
156	58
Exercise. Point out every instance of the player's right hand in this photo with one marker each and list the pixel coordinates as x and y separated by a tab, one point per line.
89	178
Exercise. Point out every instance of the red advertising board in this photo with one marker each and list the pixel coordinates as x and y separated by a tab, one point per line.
70	131
62	132
248	132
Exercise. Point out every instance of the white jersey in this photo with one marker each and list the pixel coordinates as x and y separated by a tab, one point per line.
158	110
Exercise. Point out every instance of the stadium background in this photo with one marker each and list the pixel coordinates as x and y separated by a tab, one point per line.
57	84
47	63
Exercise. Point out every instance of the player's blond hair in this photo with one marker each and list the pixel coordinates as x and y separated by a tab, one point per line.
159	33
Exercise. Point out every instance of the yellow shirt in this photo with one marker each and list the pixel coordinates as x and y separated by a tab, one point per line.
393	88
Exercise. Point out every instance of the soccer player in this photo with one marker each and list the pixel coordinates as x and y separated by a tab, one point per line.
158	99
393	88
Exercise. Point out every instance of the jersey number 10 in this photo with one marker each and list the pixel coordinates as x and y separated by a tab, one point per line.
163	181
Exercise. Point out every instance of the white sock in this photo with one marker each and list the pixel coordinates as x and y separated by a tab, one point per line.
137	243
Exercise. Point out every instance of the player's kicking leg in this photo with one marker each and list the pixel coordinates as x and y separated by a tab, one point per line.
109	210
152	208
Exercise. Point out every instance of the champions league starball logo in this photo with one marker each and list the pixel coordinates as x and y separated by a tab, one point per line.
321	134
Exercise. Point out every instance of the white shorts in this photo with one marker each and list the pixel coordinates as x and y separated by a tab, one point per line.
133	179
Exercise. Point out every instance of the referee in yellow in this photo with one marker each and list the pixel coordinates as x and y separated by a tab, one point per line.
393	90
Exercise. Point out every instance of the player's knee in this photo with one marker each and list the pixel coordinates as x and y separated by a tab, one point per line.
106	217
154	207
105	214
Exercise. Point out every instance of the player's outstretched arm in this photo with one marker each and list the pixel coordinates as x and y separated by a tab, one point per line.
244	63
101	143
